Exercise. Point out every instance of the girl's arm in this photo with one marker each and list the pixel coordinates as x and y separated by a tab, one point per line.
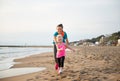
58	49
70	48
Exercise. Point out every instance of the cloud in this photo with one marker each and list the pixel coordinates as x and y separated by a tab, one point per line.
81	18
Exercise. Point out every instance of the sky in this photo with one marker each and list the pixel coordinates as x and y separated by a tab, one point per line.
33	22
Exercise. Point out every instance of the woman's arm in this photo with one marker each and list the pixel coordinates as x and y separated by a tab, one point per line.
55	40
67	42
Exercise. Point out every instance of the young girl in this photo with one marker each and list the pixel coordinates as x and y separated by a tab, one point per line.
61	46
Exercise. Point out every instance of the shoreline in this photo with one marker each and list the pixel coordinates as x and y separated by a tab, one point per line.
23	46
8	62
88	64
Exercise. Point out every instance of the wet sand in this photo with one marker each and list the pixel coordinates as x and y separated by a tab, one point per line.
86	64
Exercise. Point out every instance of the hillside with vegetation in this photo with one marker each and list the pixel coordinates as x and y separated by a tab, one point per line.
111	39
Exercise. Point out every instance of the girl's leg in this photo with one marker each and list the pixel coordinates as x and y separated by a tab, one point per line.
61	64
62	61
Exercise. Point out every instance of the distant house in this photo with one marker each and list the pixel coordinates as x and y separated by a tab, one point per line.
118	43
96	43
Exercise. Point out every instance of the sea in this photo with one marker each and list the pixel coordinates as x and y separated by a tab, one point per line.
8	54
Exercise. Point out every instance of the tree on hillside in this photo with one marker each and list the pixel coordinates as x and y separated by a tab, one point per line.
114	37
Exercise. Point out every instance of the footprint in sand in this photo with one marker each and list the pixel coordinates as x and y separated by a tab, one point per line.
95	79
57	79
34	79
45	78
37	77
52	76
63	76
30	79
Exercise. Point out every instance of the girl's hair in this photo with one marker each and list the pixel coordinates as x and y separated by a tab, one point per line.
59	36
60	25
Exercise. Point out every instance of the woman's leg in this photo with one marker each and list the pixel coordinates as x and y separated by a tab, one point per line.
55	51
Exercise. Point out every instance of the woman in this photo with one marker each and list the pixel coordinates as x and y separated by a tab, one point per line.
65	40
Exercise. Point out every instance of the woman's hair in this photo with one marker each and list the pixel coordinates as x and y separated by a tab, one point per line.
60	25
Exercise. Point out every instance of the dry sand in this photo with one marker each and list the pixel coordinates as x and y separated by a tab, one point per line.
86	64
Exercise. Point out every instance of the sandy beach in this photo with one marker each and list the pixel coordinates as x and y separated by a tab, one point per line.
86	64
